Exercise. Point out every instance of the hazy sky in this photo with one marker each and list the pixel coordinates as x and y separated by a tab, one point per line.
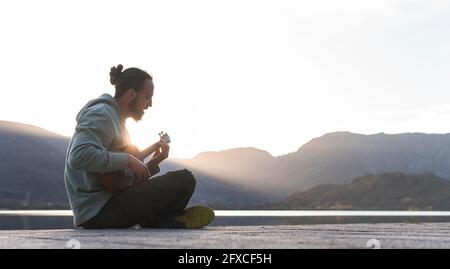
268	74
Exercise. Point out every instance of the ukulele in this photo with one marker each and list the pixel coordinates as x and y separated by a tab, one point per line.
121	180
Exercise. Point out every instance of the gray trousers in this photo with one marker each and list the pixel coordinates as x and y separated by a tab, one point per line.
151	203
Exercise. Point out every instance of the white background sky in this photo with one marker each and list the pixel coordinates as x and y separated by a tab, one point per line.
267	74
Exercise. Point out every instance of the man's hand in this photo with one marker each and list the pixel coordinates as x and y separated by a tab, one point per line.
146	152
157	147
161	154
139	169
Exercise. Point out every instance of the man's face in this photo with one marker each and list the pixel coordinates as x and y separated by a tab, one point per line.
142	101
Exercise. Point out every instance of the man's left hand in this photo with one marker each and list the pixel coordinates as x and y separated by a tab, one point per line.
161	154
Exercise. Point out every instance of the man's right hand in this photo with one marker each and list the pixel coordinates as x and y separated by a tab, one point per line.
139	169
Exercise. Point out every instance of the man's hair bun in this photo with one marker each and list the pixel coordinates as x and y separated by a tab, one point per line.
130	78
115	73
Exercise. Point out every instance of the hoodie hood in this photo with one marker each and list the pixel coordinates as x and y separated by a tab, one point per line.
102	99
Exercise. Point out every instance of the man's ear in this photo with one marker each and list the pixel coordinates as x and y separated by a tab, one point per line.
131	94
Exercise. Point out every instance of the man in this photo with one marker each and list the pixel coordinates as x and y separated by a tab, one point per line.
101	145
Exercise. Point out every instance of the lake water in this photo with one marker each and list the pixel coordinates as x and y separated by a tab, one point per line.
58	219
263	213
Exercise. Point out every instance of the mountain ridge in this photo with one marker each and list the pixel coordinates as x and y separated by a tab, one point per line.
239	177
387	191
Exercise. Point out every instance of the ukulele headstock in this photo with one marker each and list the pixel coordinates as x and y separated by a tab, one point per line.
164	137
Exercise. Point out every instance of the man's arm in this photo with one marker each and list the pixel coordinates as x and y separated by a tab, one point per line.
149	150
89	148
141	155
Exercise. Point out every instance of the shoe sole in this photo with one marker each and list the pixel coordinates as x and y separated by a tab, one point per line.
196	217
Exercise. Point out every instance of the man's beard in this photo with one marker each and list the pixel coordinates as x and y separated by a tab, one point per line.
136	113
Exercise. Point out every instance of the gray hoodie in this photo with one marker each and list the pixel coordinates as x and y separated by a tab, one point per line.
95	147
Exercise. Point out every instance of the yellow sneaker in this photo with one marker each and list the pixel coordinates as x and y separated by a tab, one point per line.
196	217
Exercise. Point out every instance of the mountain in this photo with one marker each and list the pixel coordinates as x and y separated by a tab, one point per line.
32	173
334	158
245	167
337	158
31	167
387	191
